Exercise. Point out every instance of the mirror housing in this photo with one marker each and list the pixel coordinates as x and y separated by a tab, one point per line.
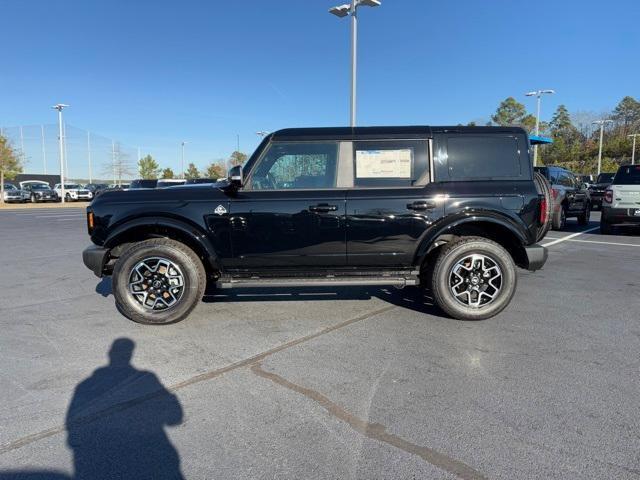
235	176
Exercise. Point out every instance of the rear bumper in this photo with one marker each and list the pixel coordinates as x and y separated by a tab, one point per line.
620	216
94	258
536	256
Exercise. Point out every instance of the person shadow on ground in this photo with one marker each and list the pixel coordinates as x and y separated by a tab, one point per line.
116	422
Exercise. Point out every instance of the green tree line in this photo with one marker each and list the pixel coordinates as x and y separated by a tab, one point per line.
149	168
575	140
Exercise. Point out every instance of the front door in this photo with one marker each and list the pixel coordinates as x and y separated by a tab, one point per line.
290	214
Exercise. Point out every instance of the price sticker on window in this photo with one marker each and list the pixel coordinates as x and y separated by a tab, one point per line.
384	163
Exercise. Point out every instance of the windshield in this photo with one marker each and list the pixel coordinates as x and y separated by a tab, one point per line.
71	186
629	175
605	178
143	184
39	186
8	186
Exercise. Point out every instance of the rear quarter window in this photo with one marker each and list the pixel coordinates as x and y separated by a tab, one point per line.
485	157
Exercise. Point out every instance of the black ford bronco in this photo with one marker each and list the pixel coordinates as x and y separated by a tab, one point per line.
450	209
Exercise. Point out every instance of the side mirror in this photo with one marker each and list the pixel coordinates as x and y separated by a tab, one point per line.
235	176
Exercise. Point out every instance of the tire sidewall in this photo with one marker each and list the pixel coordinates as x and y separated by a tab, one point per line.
441	278
130	307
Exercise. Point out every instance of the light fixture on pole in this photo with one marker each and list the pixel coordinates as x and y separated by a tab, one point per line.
602	124
182	159
262	133
538	94
59	107
352	10
633	149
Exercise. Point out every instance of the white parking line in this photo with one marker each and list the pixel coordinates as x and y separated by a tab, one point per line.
606	243
569	237
75	215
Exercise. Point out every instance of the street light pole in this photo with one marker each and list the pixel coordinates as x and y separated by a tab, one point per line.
59	107
633	149
602	124
352	10
182	159
538	94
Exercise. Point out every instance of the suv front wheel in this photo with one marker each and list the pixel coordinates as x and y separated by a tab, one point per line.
158	281
473	278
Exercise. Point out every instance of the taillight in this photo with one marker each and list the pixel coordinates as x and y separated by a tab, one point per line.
543	210
608	196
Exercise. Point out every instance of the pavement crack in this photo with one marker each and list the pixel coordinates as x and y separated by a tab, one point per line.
209	375
374	431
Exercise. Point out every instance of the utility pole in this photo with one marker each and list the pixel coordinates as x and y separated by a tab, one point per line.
352	10
66	156
633	149
602	124
59	107
89	155
113	161
538	94
182	159
44	150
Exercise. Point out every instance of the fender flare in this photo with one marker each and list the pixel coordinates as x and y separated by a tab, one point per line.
468	217
188	229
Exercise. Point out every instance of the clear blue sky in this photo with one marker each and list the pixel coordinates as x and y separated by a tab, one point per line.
155	72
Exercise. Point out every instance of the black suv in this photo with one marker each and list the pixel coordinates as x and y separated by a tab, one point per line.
571	197
453	209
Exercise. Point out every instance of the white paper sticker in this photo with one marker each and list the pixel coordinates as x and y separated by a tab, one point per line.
383	163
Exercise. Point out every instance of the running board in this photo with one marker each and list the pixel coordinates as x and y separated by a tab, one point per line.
341	281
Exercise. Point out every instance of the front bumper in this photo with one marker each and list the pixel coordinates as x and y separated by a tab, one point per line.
95	258
620	216
536	256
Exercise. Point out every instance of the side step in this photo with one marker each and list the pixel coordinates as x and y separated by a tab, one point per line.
338	281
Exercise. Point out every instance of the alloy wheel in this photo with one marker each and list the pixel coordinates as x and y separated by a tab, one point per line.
156	283
475	280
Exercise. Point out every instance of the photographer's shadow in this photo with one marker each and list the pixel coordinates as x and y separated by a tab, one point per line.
116	422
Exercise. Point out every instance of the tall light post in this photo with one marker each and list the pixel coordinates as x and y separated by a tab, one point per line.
182	159
538	94
59	107
352	10
602	123
633	149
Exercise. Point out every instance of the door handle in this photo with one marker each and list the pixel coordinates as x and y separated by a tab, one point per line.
323	207
421	205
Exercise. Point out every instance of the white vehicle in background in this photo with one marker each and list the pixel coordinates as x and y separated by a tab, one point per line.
621	201
73	192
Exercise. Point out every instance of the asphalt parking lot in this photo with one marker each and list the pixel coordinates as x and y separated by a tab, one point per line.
340	384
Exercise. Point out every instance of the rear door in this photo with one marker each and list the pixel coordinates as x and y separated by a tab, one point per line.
391	203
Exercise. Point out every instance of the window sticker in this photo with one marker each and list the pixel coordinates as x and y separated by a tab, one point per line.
384	163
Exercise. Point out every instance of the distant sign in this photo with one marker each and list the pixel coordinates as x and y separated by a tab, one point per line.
383	163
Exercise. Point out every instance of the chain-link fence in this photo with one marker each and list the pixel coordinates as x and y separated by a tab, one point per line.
87	155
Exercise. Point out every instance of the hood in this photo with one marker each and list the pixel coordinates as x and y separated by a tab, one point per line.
181	193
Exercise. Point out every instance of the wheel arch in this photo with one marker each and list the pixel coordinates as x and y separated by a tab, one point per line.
502	231
144	228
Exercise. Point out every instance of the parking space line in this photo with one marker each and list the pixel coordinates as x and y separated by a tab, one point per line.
606	243
569	237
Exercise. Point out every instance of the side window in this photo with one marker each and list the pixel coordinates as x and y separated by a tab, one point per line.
477	157
296	165
390	163
564	179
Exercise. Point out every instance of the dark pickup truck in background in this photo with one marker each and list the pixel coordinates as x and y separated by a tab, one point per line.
451	209
597	189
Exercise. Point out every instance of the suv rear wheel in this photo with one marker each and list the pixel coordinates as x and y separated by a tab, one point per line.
158	281
473	278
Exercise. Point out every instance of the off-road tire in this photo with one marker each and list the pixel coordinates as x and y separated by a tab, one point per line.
192	270
583	218
33	199
544	188
605	227
560	218
449	255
